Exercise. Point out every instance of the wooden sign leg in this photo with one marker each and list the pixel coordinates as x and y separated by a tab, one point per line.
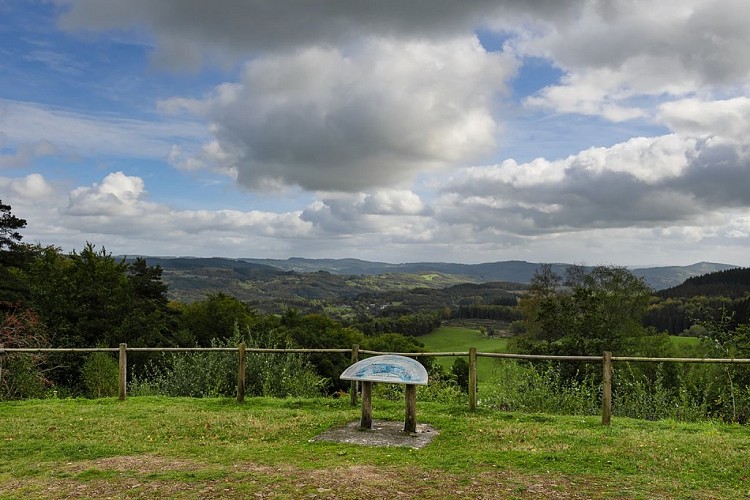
410	423
366	421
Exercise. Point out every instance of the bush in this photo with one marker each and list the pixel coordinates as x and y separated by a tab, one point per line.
460	373
213	374
539	388
20	377
637	395
100	374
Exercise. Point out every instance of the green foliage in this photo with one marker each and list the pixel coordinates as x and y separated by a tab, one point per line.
539	388
637	395
20	377
9	226
198	375
725	339
460	373
506	313
215	318
600	310
100	374
393	342
678	315
314	331
148	321
14	258
212	374
89	298
402	321
730	283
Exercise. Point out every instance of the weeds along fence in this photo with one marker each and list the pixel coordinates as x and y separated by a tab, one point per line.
607	360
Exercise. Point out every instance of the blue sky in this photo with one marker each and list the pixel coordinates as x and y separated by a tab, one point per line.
573	131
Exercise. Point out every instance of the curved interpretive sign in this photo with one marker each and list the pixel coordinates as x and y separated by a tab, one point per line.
392	369
389	368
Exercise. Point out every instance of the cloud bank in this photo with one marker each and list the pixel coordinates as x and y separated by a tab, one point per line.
391	118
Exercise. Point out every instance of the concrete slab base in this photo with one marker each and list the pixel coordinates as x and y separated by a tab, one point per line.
383	433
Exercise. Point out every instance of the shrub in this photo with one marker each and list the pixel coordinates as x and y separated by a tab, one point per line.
212	374
20	377
460	373
100	374
539	388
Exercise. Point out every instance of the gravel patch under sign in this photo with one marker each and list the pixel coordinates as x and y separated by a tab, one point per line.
383	433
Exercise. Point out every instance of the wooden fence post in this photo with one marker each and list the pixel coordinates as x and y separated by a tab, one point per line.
473	379
353	387
123	376
607	389
2	354
410	421
241	373
366	421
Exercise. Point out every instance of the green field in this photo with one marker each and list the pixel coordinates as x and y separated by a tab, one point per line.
457	339
218	448
684	344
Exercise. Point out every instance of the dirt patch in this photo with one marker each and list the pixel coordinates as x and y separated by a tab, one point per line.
252	480
383	433
142	464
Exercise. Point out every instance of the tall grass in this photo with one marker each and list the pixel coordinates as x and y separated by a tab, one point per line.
524	387
214	374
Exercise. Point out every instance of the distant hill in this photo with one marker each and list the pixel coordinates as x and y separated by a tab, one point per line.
242	267
733	283
515	271
666	277
191	279
296	282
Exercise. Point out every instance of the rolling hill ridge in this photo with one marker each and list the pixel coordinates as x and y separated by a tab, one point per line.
265	280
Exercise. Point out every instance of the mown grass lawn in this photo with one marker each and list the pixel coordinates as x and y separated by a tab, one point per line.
181	447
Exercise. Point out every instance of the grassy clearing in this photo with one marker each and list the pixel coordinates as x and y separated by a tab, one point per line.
182	447
457	339
685	345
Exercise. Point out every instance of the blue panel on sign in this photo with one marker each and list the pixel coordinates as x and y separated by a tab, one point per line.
387	368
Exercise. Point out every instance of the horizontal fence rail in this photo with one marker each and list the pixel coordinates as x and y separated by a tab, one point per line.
606	359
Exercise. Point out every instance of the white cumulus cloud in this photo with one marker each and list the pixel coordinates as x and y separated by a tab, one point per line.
324	119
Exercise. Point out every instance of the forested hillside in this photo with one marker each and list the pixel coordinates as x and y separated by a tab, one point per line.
510	270
707	297
731	283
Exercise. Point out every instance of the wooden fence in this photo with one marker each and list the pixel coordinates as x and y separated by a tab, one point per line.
606	359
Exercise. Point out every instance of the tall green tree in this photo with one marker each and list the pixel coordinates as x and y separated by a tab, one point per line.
80	296
14	257
597	310
215	318
9	226
149	321
543	310
321	332
89	298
